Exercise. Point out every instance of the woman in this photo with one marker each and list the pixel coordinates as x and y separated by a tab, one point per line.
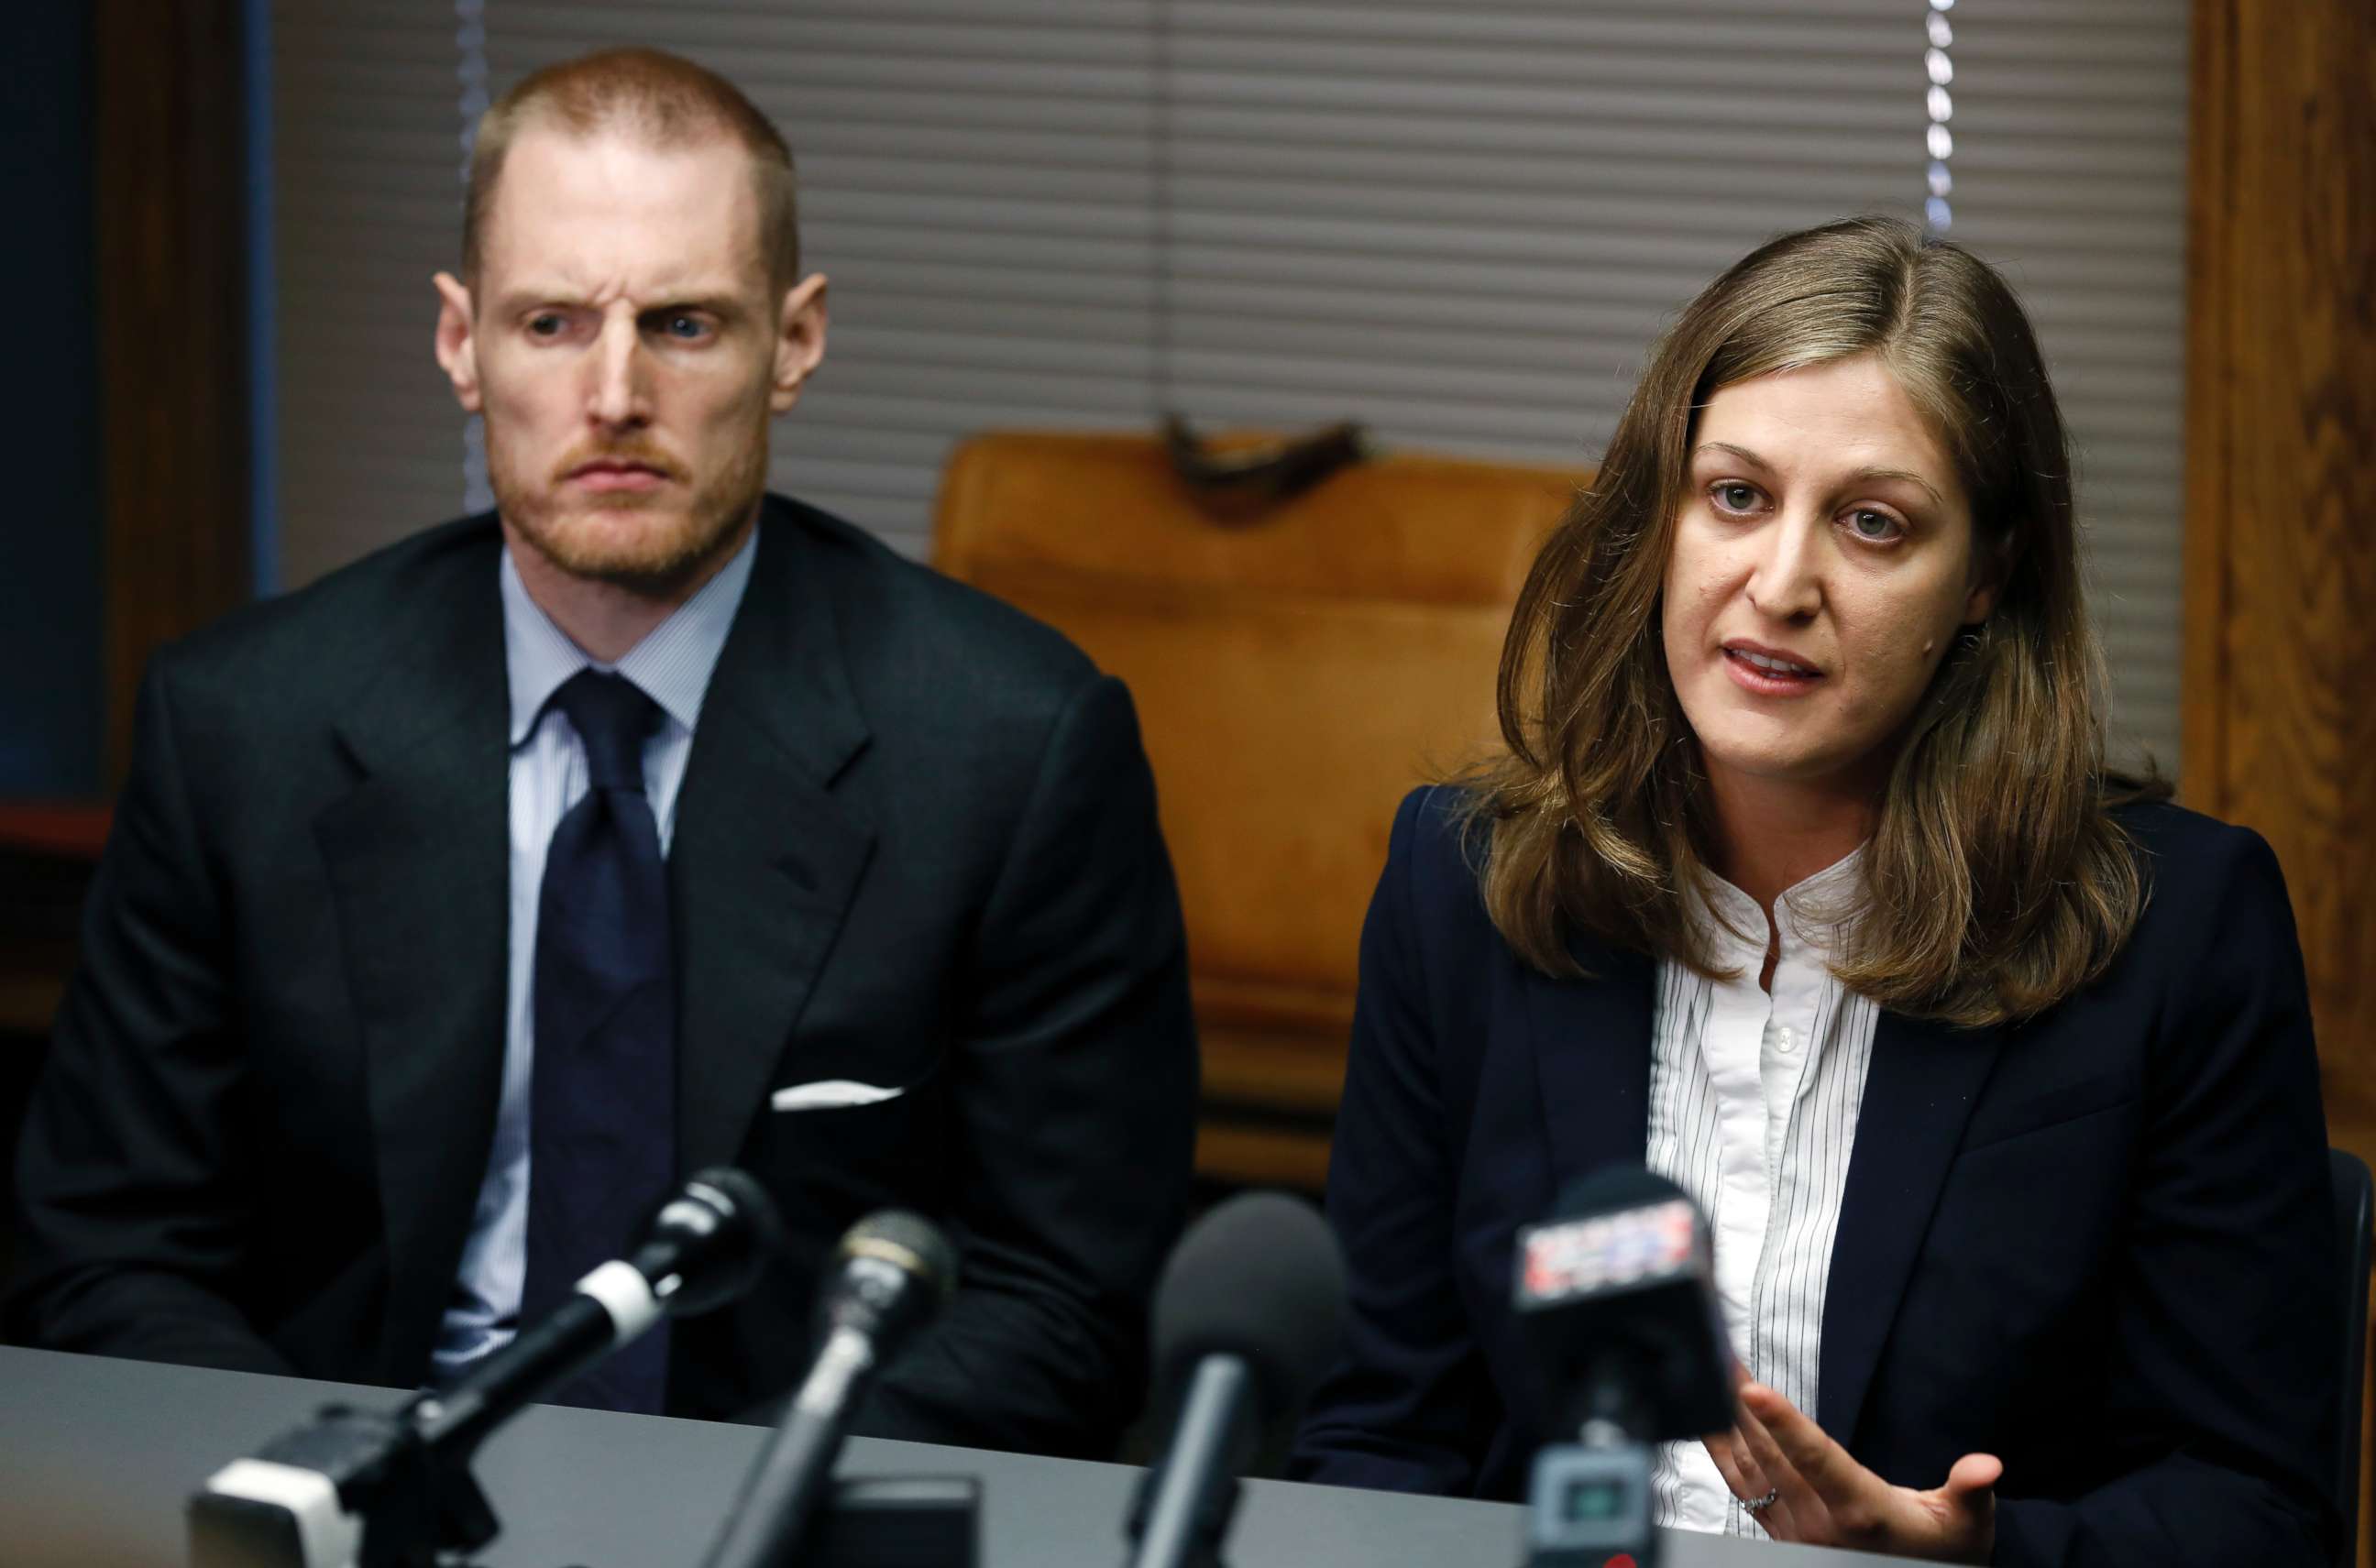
1802	879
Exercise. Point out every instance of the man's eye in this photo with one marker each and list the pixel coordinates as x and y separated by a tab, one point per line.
689	329
1874	526
546	325
1735	497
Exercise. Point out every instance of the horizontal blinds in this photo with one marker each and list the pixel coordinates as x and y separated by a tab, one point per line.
1461	224
976	180
366	207
2070	120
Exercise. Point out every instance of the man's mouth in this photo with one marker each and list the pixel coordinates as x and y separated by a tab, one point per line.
619	474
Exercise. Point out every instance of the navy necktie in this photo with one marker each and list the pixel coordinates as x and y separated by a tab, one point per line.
602	1100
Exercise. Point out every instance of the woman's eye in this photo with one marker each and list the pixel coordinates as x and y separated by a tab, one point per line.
1734	497
1875	526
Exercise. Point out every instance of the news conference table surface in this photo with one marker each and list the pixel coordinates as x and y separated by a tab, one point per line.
97	1457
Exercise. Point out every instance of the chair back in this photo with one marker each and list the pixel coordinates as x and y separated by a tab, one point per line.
1295	673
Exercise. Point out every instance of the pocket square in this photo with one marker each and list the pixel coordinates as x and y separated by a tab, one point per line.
831	1094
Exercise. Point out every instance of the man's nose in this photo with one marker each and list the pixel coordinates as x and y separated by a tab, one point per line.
619	396
1786	582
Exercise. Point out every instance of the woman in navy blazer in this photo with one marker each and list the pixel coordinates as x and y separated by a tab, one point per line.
1822	601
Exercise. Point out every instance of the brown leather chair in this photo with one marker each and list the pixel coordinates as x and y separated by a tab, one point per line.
1295	673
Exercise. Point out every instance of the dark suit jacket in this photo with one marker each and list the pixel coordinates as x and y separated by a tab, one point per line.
916	845
2098	1245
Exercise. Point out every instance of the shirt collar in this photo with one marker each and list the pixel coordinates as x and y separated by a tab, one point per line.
671	665
1811	913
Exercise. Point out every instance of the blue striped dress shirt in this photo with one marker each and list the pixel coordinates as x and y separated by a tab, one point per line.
673	665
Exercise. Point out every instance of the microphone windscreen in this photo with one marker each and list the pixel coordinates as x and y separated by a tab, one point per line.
908	1241
1258	1277
722	1229
745	1197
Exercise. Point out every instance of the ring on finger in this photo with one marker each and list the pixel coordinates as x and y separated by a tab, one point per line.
1760	1505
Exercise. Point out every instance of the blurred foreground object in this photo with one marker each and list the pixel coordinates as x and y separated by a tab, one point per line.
1250	1316
1296	671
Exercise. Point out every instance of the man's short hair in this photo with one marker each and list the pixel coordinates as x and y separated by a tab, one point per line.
660	99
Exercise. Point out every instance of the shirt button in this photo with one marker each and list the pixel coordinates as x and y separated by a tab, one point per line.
1786	1040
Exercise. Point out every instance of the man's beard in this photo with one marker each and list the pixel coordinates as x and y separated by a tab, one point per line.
651	541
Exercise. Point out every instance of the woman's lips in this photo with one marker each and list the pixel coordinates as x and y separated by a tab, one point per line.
1768	682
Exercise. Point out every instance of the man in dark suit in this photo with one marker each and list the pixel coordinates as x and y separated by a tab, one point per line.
459	903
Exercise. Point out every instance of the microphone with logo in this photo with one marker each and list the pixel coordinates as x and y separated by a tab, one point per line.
1617	1299
896	1273
1249	1316
393	1489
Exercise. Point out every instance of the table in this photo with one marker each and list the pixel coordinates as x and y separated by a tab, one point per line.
97	1457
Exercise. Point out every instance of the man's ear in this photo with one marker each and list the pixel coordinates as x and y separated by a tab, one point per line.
458	340
799	340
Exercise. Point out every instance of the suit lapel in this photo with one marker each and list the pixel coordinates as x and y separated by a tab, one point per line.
1592	1042
765	859
1592	1061
418	861
1918	1095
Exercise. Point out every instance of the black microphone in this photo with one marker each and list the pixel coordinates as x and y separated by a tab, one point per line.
395	1486
1616	1297
896	1273
706	1247
1249	1316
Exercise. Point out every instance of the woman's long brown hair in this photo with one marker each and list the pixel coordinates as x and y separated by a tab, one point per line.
1997	881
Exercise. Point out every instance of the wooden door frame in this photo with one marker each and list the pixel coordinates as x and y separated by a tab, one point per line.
170	105
2279	731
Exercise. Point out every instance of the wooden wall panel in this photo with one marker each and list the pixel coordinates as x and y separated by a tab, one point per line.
2281	528
2280	721
171	205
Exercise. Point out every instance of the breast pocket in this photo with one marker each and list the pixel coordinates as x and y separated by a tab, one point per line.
2020	1115
832	1094
834	1149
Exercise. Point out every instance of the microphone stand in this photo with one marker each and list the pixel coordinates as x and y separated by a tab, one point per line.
363	1489
1183	1510
354	1486
421	1507
1589	1500
401	1478
791	1514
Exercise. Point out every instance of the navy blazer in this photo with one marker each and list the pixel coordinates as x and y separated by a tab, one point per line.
2099	1244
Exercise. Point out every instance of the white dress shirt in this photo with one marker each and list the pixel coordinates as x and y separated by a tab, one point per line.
673	666
1754	1101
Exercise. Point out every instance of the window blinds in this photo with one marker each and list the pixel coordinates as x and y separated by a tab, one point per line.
1460	224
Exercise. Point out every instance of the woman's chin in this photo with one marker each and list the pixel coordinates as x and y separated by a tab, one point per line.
1798	766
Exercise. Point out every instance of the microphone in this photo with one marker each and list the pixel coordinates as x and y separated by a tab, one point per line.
394	1487
896	1273
1249	1316
704	1247
1616	1297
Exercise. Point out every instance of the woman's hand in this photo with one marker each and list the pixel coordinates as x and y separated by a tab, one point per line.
1824	1498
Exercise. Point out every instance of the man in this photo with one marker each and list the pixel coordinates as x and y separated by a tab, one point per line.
460	902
